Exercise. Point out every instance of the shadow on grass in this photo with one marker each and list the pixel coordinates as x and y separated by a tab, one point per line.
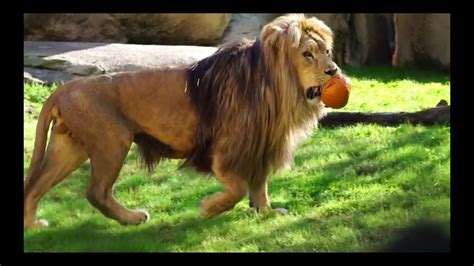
418	235
93	236
188	232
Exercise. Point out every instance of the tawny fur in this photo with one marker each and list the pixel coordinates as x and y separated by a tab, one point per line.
238	114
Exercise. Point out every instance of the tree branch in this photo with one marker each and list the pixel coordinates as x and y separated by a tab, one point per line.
437	115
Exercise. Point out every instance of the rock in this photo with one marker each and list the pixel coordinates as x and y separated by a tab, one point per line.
27	77
372	44
73	27
423	40
359	39
51	63
47	77
56	61
52	56
28	108
196	29
246	25
85	69
177	29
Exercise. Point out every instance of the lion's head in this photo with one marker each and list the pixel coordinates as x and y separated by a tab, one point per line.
306	45
255	99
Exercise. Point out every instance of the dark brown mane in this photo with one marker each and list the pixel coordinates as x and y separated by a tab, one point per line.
207	79
233	62
249	110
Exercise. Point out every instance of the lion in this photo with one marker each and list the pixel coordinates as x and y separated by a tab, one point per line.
237	115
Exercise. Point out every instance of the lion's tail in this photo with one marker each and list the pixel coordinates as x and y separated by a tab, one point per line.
44	119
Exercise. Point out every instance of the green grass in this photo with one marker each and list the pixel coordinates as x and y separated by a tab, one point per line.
350	189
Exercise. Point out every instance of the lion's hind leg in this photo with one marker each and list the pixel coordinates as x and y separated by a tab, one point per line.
63	155
107	158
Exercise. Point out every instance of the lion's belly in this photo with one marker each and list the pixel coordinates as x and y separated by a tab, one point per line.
177	133
156	101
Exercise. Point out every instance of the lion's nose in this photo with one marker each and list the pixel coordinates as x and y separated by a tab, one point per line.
330	71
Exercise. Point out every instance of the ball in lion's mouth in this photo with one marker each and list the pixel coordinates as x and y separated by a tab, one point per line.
336	91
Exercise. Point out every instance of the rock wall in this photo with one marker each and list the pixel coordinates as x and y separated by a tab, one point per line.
423	40
246	25
190	29
360	39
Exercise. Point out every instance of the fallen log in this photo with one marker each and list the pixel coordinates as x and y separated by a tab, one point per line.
431	116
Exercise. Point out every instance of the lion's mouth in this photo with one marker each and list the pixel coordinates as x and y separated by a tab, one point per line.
314	91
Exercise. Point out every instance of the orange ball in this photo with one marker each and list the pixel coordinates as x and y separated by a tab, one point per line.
336	91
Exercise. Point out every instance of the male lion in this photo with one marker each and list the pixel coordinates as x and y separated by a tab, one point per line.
237	114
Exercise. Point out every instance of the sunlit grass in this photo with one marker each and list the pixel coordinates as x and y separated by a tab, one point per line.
379	89
350	189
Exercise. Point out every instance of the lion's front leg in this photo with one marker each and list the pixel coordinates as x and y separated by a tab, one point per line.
258	196
235	189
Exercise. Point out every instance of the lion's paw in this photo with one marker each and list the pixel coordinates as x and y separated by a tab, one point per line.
136	217
37	224
207	209
270	211
280	211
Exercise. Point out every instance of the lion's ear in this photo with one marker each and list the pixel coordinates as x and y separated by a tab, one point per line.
275	36
294	34
270	37
321	28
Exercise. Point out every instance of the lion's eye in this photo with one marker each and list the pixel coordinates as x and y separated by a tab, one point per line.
308	54
327	52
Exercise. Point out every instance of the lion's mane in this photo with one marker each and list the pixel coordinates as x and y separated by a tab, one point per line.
250	108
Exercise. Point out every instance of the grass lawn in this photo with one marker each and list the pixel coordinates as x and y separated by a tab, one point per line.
350	189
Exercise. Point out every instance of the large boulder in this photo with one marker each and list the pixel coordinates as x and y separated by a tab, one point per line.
172	29
73	28
423	40
62	61
371	45
195	29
